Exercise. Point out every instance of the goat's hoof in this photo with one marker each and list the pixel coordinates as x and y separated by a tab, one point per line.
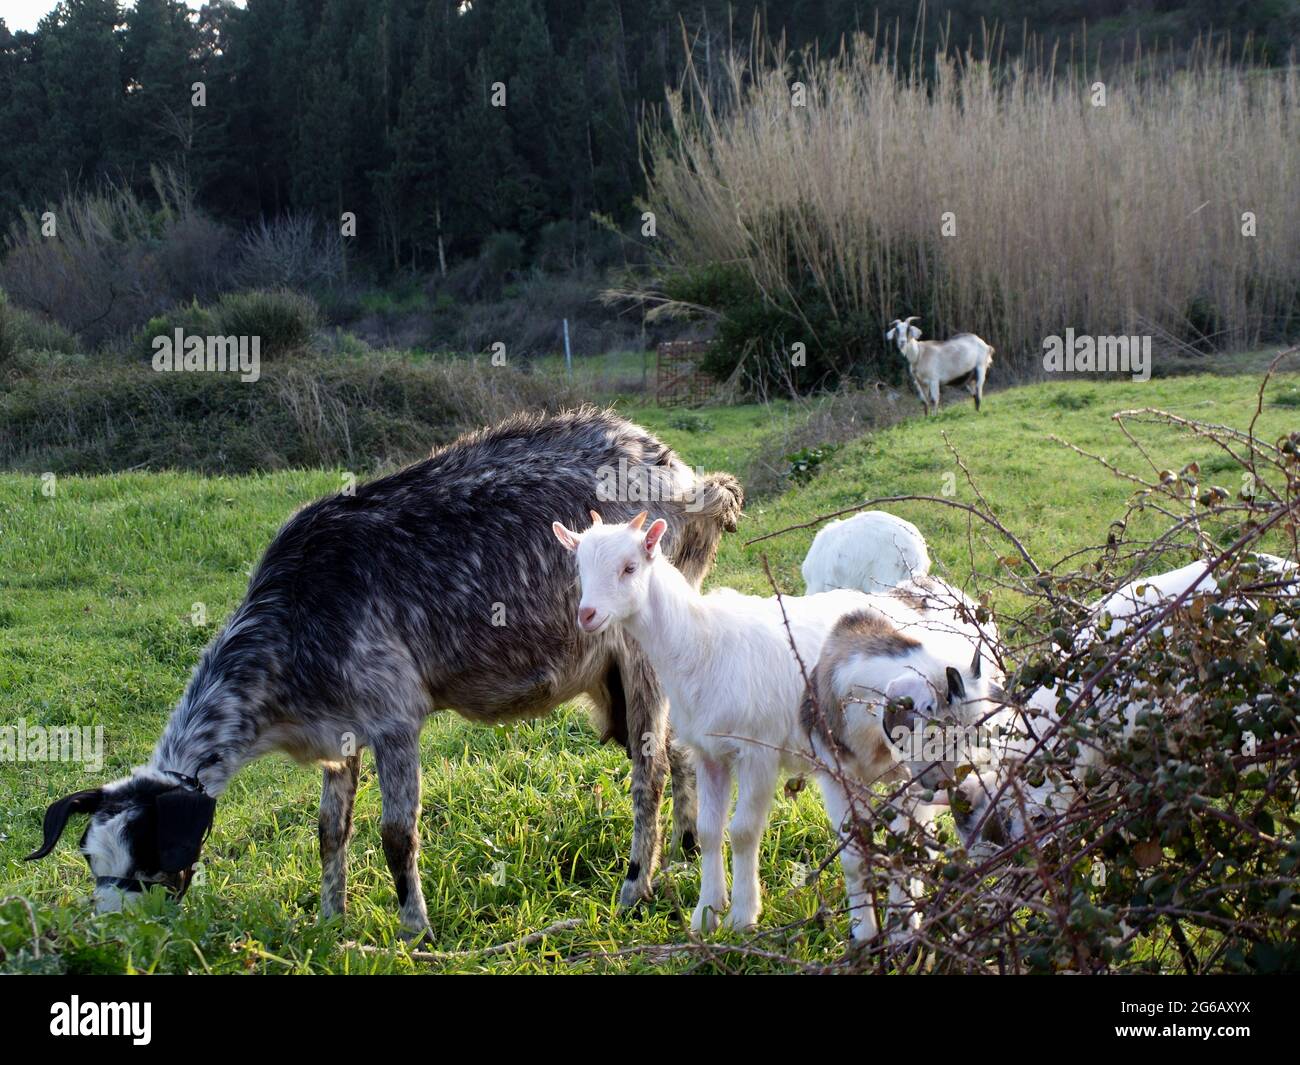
684	844
705	918
740	922
634	892
416	937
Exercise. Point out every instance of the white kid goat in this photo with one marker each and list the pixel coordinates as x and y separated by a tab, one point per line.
733	682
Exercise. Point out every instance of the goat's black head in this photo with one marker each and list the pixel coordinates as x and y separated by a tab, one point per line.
144	830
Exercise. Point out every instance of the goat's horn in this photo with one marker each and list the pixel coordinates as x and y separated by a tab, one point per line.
596	519
639	520
909	321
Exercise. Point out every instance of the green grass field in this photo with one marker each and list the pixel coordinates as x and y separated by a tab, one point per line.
522	827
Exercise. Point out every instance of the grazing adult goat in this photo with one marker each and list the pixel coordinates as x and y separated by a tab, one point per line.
963	359
431	588
872	551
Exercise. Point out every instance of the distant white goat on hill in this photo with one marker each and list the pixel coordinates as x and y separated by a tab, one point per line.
963	359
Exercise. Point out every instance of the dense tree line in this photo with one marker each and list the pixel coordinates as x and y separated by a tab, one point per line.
386	108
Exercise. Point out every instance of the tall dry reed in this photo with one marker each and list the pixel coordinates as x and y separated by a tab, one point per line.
1125	218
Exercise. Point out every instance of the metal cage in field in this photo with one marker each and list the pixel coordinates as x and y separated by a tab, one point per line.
679	380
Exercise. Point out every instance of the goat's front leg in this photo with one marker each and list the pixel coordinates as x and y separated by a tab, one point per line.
921	393
397	761
862	914
755	783
903	914
647	741
685	800
714	782
337	795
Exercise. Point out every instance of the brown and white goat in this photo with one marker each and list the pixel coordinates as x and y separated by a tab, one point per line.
918	643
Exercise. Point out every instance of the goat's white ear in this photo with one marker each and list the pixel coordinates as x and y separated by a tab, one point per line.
893	332
567	537
653	535
913	332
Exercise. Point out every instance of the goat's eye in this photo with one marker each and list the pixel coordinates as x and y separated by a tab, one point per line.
629	569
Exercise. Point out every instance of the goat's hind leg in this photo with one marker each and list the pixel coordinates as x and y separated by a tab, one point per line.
685	799
337	795
647	747
397	761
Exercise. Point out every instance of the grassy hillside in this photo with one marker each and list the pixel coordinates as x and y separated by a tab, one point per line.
522	827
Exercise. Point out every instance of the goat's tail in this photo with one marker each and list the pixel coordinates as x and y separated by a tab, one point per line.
715	507
721	496
991	350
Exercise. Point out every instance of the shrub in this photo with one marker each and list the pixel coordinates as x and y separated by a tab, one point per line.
690	422
1073	400
362	413
292	251
532	322
190	318
813	429
805	462
502	255
285	320
21	331
116	261
756	334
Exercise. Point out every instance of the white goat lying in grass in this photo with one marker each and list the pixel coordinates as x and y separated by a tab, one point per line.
904	648
873	551
962	359
732	679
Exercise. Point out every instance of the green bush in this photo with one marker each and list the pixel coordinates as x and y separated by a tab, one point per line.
502	255
805	462
361	413
690	422
22	331
757	333
1073	400
191	318
393	303
285	320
